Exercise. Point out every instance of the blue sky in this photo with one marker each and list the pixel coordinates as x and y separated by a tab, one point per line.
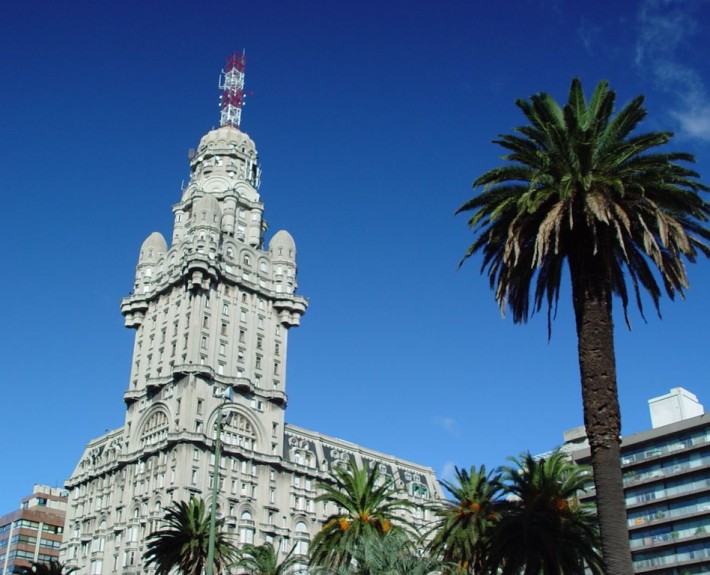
371	120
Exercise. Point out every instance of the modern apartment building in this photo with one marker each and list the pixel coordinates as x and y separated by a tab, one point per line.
667	485
212	312
34	531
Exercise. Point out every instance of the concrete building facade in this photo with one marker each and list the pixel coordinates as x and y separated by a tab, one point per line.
212	311
667	486
34	531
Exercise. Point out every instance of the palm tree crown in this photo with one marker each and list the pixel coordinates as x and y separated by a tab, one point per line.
580	189
543	526
578	185
461	532
366	503
182	544
264	560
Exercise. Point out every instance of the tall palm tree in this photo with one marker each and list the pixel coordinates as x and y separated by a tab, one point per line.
461	532
544	529
51	568
264	560
182	544
366	503
580	188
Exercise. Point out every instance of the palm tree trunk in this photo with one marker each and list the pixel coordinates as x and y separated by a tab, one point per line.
602	416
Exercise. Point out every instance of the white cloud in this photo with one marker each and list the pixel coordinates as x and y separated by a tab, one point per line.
448	424
665	29
589	35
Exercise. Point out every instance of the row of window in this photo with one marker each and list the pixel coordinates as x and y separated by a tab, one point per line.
669	446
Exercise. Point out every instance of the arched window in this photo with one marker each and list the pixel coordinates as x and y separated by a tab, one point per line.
246	260
302	539
239	431
155	428
246	528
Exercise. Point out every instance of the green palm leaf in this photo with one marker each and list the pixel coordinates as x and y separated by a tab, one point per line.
182	543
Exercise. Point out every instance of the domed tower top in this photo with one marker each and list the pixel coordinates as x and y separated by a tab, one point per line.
226	159
153	248
282	247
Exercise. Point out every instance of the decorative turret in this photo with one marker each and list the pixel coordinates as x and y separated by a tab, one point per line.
152	251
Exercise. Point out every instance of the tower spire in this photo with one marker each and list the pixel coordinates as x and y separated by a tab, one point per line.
231	83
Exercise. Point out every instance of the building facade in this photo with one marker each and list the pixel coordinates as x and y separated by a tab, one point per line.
666	474
34	531
212	312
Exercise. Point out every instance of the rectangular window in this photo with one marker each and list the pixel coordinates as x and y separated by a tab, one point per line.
242	333
225	309
206	321
223	329
243	315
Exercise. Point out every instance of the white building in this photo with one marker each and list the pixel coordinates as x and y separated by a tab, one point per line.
212	310
666	486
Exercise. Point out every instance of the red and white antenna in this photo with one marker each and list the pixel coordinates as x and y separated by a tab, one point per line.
231	82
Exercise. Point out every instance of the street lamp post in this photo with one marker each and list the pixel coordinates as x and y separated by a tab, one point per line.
215	485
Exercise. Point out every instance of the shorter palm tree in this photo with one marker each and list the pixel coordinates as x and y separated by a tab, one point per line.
264	560
51	568
461	533
183	543
366	503
392	554
544	529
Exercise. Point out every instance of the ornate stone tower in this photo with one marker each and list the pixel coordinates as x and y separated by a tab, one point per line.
211	311
214	310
